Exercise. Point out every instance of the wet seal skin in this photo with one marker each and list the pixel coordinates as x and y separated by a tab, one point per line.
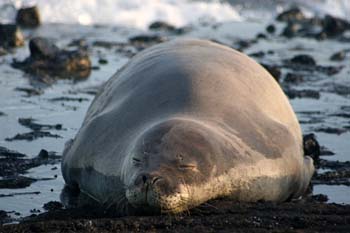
184	122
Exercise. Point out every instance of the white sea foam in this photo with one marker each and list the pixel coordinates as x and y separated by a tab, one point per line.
339	8
134	13
140	13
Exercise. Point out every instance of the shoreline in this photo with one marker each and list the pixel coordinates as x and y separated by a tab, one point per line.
317	91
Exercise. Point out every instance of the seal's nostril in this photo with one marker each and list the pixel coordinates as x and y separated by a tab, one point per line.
144	178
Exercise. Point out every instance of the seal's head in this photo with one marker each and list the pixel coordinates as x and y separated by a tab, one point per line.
171	164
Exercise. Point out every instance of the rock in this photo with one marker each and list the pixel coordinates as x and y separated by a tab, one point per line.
32	136
291	30
243	44
4	152
182	30
30	123
344	38
2	51
28	17
257	54
271	28
11	166
10	36
315	27
273	70
303	59
107	44
345	108
331	130
292	94
4	217
293	78
141	42
47	59
307	63
330	70
146	39
16	182
78	43
3	214
337	177
341	89
324	151
43	154
53	205
341	114
311	146
294	14
30	91
41	48
334	165
102	61
261	36
34	211
320	197
66	98
159	25
321	36
333	26
338	56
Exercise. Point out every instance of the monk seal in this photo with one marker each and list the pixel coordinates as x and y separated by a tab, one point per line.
184	122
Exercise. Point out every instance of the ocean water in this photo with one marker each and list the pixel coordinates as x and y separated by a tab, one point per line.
65	20
140	13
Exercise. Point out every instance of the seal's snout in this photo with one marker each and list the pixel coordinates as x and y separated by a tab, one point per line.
147	190
147	179
169	161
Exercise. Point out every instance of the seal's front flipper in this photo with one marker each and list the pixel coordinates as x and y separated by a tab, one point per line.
306	175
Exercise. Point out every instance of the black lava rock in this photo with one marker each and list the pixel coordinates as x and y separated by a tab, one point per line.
273	70
28	17
339	56
293	78
47	59
42	48
53	205
146	39
292	94
102	61
261	36
4	152
10	36
16	182
303	59
333	26
271	28
311	146
257	54
294	14
291	30
159	25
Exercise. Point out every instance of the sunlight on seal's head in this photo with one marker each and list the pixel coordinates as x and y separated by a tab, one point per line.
167	169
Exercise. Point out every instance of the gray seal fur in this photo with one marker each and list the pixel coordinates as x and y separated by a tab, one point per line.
184	122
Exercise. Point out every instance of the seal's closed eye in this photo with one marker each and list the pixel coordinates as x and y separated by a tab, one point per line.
188	167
